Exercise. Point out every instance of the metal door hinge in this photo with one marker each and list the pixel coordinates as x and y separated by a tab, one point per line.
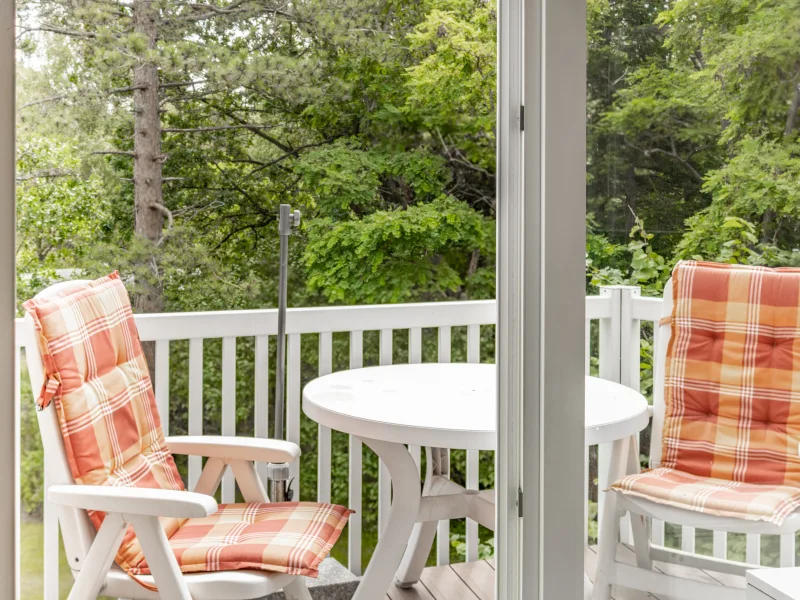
519	502
522	118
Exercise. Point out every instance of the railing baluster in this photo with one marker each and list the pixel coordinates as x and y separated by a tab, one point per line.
355	460
443	528
720	544
293	405
51	544
752	549
473	462
162	383
688	539
195	404
228	410
18	453
657	532
384	481
587	344
415	357
787	550
415	345
324	434
261	396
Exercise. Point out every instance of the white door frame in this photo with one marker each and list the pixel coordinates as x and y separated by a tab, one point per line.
541	298
9	432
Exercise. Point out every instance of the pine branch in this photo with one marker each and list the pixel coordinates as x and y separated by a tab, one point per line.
211	11
174	84
164	211
250	127
59	30
121	90
46	174
219	128
115	153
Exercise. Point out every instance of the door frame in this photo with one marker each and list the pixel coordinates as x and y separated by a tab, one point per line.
9	431
541	298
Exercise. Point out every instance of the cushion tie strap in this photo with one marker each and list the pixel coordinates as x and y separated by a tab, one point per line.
148	586
665	320
50	389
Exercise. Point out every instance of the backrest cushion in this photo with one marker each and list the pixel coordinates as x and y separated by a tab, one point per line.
96	374
732	380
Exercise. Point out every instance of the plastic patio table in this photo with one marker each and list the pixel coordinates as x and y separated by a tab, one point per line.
437	406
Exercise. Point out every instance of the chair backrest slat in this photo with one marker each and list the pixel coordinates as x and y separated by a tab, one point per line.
662	337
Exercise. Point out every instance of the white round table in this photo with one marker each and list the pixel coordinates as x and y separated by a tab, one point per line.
437	406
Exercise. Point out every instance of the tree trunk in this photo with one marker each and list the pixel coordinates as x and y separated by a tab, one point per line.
791	116
147	176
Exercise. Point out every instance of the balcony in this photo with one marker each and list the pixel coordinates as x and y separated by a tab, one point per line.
218	365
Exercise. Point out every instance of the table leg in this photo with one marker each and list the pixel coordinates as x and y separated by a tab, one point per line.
419	547
403	514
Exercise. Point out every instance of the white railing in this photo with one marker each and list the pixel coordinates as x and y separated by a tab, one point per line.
619	312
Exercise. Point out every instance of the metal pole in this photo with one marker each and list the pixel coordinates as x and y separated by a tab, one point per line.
284	229
278	473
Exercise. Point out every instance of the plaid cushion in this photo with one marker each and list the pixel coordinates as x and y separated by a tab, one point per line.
287	537
97	375
723	498
731	393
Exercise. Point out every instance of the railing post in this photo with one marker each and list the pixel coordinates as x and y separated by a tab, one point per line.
619	362
609	368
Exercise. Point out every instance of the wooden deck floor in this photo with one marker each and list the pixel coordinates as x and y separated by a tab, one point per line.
475	581
626	555
464	581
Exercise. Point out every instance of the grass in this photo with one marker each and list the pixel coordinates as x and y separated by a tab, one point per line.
32	564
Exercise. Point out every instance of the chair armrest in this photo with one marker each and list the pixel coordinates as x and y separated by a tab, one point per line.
234	448
153	502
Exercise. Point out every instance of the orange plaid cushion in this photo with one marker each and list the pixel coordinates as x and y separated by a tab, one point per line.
750	501
287	537
732	392
98	377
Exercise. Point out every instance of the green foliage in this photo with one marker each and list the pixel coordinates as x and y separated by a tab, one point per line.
399	255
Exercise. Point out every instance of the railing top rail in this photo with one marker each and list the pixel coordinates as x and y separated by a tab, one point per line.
646	308
245	323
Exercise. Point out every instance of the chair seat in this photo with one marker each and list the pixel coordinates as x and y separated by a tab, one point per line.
244	584
286	537
718	497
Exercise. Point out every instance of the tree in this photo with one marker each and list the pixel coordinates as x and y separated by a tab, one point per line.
156	52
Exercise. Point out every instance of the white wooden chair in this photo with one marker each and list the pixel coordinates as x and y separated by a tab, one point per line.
91	553
642	576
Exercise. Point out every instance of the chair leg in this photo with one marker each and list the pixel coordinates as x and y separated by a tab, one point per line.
641	542
607	548
99	559
160	558
297	590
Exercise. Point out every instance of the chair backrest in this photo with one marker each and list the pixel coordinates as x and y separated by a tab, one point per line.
76	527
726	391
98	417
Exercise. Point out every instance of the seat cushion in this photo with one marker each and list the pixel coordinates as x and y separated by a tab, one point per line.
98	378
719	497
285	537
732	391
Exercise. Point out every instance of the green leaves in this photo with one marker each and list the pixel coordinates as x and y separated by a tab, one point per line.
425	252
